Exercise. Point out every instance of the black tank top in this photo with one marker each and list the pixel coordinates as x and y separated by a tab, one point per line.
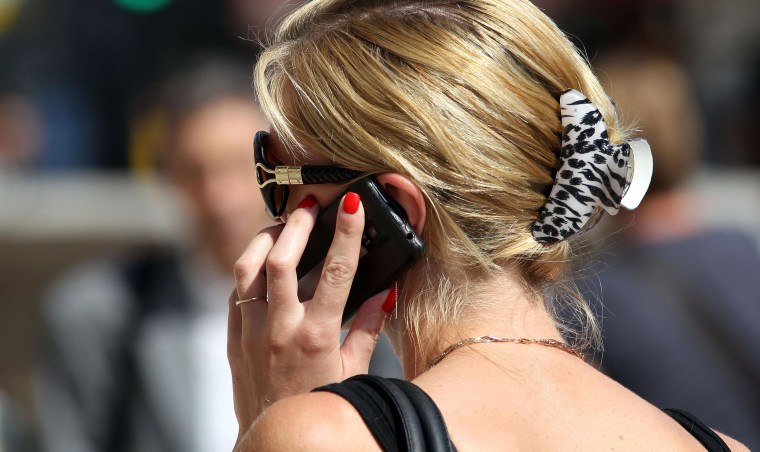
402	417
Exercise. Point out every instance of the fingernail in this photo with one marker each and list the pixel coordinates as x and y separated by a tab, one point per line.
390	300
351	203
308	202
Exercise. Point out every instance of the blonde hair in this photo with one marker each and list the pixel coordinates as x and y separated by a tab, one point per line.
460	96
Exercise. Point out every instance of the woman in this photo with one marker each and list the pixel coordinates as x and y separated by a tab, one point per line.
454	106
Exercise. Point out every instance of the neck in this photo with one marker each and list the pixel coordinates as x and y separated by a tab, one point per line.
497	306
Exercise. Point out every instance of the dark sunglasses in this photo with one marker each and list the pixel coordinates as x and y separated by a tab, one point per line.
274	180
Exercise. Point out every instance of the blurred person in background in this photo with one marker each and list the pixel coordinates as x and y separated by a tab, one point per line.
137	355
680	301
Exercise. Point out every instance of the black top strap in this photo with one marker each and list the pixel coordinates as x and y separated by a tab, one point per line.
399	414
433	426
703	433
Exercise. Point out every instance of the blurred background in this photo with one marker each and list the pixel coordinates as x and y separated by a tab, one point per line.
126	124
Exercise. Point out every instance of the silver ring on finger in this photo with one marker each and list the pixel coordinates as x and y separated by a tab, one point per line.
265	299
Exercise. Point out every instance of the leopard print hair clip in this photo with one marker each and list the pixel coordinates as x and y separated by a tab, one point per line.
594	176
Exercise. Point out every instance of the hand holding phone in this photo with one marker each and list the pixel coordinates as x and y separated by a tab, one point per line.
390	246
291	344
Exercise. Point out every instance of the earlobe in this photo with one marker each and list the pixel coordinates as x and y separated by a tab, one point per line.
408	195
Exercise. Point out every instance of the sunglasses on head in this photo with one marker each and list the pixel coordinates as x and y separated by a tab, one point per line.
274	180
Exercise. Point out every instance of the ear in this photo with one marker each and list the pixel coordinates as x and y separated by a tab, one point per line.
407	195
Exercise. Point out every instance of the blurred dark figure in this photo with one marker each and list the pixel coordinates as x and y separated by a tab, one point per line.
680	302
137	346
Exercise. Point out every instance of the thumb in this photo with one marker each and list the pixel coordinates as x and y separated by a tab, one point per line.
364	331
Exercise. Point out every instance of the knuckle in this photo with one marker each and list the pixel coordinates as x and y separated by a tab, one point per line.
242	269
337	273
278	264
277	346
313	340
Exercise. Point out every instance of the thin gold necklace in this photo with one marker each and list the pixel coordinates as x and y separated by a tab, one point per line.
487	339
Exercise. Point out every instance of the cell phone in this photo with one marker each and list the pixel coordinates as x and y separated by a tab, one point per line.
390	246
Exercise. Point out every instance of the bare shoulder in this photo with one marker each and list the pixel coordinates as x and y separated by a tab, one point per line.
733	444
314	421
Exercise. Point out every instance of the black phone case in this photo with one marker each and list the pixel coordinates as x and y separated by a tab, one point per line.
390	244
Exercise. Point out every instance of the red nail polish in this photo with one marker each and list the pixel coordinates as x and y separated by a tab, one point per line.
308	202
351	203
390	300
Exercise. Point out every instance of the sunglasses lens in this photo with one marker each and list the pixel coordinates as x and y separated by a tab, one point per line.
259	157
269	200
275	196
281	198
275	199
